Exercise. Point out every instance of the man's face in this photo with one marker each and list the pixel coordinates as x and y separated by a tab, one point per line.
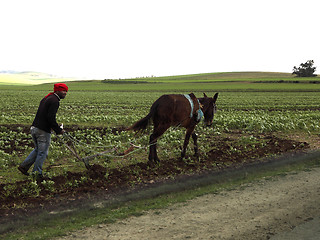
62	94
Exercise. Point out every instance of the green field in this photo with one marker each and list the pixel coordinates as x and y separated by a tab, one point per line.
250	106
248	102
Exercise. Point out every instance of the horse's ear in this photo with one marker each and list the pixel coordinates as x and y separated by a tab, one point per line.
205	95
215	97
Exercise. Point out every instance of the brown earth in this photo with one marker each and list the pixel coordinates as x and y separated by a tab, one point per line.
226	153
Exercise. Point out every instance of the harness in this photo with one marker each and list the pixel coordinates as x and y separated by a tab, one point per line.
199	112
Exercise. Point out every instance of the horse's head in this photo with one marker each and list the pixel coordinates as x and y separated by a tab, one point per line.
208	107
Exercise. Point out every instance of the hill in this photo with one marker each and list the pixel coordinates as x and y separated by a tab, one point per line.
29	78
35	78
234	75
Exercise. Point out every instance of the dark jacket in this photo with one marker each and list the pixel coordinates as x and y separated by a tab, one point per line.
46	115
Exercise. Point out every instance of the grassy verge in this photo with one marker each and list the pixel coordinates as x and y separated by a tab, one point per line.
49	225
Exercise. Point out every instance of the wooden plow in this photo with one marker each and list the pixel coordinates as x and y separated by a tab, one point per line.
69	144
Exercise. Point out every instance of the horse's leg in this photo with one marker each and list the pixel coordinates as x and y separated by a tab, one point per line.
186	141
195	138
152	148
157	132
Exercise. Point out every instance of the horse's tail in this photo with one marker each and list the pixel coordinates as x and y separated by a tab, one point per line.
143	123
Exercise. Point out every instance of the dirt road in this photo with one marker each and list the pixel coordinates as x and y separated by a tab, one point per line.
260	210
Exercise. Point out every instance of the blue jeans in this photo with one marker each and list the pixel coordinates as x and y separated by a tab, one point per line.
41	141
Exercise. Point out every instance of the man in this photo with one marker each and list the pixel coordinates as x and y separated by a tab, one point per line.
44	122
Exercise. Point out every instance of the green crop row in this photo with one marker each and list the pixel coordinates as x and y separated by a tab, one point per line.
122	108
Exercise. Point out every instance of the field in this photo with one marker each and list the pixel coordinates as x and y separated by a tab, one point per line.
259	115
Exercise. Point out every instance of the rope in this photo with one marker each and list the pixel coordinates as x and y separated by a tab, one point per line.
85	145
104	153
127	152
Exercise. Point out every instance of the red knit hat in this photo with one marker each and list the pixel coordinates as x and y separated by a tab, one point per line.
60	87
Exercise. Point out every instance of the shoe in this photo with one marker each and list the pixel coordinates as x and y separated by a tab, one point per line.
23	170
36	176
39	178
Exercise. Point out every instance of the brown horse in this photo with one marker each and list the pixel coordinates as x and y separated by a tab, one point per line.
177	110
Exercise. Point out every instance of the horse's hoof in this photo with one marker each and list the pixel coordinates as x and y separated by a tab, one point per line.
154	161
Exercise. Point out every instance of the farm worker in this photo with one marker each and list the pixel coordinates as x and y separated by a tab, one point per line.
44	122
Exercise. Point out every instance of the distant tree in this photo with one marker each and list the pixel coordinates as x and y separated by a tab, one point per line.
305	69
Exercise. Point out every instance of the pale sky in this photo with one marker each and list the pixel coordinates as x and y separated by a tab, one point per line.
100	39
